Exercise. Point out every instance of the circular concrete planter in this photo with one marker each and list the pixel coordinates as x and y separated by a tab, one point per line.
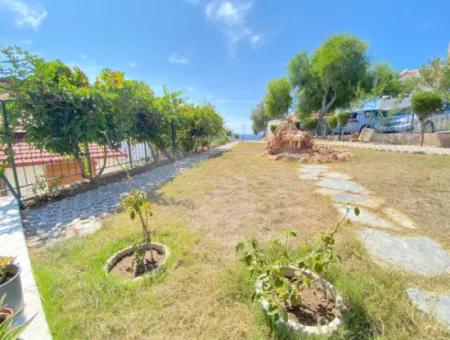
128	251
12	290
326	329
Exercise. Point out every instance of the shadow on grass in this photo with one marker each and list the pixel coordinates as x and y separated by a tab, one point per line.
163	200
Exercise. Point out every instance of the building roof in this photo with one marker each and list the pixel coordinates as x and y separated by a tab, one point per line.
26	154
409	73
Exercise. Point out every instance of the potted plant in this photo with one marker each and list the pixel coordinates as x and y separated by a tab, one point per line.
10	284
291	289
144	256
9	331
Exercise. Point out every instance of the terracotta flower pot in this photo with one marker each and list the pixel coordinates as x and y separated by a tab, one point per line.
5	313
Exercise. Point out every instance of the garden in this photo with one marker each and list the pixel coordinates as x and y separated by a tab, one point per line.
204	290
242	244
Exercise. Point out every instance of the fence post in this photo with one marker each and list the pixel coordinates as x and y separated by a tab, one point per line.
10	152
130	158
145	152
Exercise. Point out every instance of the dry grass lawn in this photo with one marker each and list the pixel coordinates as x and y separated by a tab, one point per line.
204	292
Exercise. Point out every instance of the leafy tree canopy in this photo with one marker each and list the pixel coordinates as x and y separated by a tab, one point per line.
259	118
331	76
425	103
385	80
278	98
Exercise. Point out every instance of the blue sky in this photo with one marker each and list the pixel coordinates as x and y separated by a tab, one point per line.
219	51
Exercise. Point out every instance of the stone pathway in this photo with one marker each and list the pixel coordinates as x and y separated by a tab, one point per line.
416	254
426	150
79	215
12	243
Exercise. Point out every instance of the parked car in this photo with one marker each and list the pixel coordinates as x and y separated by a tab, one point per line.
401	122
439	121
361	119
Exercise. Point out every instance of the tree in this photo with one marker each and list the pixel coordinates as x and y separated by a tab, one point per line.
342	120
278	98
61	112
432	73
386	81
423	104
436	75
170	106
330	77
132	105
259	118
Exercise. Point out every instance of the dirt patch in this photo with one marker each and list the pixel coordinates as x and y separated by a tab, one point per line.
317	306
125	267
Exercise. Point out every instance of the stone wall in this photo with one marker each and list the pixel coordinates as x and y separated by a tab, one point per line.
430	139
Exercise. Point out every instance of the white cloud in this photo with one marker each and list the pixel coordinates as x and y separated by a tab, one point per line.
132	64
175	58
24	14
255	39
231	16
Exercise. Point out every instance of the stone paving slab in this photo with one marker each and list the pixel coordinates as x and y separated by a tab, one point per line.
420	255
12	243
336	175
56	219
341	184
364	200
417	254
400	218
365	218
434	304
428	150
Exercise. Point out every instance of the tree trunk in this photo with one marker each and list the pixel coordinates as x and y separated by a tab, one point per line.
152	152
163	150
174	139
79	160
105	159
422	134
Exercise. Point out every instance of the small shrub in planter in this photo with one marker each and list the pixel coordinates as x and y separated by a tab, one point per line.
144	256
9	331
10	284
310	124
291	288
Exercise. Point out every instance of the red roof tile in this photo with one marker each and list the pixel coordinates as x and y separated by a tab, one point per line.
26	154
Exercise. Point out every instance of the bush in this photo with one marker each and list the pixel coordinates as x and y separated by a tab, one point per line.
343	118
332	122
310	124
424	103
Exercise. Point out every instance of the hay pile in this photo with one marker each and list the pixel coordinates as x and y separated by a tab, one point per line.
294	145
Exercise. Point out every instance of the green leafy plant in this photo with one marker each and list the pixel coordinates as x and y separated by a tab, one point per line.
310	123
5	264
342	120
332	121
136	203
271	264
9	331
423	104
